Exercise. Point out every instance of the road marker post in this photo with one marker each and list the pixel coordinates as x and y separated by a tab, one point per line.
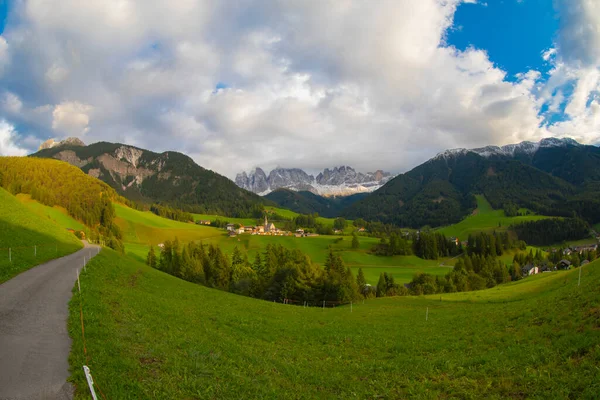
427	314
35	250
9	255
90	381
78	284
84	268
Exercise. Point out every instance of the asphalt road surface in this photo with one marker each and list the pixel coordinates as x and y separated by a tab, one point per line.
34	342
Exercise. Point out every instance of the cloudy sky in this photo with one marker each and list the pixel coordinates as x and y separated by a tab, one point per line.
373	84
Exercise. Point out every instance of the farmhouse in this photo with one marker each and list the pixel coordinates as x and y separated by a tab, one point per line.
530	269
203	222
230	227
563	264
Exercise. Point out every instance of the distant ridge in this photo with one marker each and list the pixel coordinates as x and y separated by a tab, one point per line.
338	181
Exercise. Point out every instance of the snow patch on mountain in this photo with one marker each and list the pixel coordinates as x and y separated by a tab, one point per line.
510	150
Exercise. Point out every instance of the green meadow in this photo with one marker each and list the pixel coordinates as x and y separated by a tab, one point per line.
144	227
57	214
32	236
151	335
140	229
241	221
484	219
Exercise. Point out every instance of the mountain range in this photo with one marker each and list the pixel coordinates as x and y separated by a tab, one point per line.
552	177
338	181
144	176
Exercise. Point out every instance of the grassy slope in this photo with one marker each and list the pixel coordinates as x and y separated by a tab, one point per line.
147	228
485	219
57	214
150	335
21	229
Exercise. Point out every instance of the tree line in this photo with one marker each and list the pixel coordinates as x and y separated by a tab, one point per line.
276	274
552	230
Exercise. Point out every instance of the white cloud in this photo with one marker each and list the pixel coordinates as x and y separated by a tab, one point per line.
71	118
8	137
11	103
309	84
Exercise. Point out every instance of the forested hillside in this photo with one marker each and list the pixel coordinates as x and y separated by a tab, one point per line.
557	178
309	203
53	182
170	178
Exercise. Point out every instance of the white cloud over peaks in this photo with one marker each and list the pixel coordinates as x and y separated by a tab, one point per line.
71	118
8	137
306	84
577	64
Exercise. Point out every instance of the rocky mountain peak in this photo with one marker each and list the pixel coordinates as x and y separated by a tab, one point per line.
70	141
337	181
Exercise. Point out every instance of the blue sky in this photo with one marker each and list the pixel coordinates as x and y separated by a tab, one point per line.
299	84
3	14
514	33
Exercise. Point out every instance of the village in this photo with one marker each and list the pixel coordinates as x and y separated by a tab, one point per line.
267	229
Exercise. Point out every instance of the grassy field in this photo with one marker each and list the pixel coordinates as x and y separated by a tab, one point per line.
150	335
484	219
32	240
241	221
141	227
57	214
317	248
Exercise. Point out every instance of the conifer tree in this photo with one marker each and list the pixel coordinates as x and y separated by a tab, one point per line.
381	286
355	242
151	258
361	282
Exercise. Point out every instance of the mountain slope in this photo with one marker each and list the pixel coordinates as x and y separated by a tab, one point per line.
440	191
304	202
170	177
339	181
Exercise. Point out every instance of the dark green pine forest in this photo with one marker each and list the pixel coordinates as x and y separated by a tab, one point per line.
555	181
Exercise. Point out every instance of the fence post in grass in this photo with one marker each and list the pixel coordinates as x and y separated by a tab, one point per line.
427	314
579	281
78	284
35	250
90	381
323	305
84	268
9	255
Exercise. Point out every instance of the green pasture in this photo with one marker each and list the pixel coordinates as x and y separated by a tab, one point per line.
241	221
57	214
484	219
144	227
151	335
28	238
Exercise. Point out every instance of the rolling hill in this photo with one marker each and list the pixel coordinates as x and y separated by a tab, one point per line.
21	229
150	335
170	178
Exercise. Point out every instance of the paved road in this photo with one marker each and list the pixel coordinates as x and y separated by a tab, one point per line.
34	342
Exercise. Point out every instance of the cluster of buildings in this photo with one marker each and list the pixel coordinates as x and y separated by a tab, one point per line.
268	229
